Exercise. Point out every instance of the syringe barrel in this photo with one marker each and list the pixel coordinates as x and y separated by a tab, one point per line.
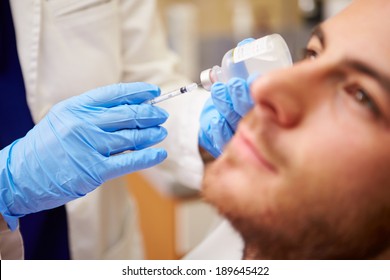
173	93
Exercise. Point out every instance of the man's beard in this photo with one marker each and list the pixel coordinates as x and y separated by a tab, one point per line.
296	233
307	238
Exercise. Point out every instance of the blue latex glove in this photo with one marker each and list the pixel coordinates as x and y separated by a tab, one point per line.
222	112
76	147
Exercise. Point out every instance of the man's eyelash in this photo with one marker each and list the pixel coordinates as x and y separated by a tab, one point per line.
308	53
364	99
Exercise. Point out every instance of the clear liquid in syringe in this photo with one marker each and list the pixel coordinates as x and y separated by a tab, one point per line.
173	93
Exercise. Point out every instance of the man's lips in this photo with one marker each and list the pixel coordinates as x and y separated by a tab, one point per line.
245	146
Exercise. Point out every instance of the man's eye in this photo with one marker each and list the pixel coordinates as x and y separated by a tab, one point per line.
309	53
363	98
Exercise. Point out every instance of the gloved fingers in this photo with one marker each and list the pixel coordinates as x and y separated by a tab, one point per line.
208	112
214	138
130	139
245	41
224	105
207	143
205	137
214	131
117	94
130	116
240	96
121	164
221	132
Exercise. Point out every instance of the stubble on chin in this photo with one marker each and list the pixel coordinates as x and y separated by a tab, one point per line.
214	181
223	184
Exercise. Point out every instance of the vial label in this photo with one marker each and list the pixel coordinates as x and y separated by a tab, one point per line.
249	50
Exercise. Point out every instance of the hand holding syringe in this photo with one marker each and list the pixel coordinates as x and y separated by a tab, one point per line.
173	93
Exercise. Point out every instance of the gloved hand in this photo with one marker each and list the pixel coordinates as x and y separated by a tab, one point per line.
78	146
222	112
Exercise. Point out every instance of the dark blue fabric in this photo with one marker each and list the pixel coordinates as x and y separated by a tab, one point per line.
45	233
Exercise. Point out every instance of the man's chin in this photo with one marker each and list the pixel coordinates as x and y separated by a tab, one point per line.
212	182
226	186
218	184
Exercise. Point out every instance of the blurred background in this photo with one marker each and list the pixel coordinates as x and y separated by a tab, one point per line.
201	31
175	220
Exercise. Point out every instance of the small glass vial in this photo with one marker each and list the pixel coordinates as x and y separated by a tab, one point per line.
260	56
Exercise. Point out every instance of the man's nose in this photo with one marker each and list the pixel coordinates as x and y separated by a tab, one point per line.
283	95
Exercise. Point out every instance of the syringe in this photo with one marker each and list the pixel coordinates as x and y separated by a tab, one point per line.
172	93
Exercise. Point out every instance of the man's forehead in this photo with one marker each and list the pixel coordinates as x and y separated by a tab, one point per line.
366	12
365	23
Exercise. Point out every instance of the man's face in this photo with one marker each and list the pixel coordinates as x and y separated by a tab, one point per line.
307	174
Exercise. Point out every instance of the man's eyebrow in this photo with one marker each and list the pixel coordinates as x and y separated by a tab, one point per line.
319	33
357	65
368	70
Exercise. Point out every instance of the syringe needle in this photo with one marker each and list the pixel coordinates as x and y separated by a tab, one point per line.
170	94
